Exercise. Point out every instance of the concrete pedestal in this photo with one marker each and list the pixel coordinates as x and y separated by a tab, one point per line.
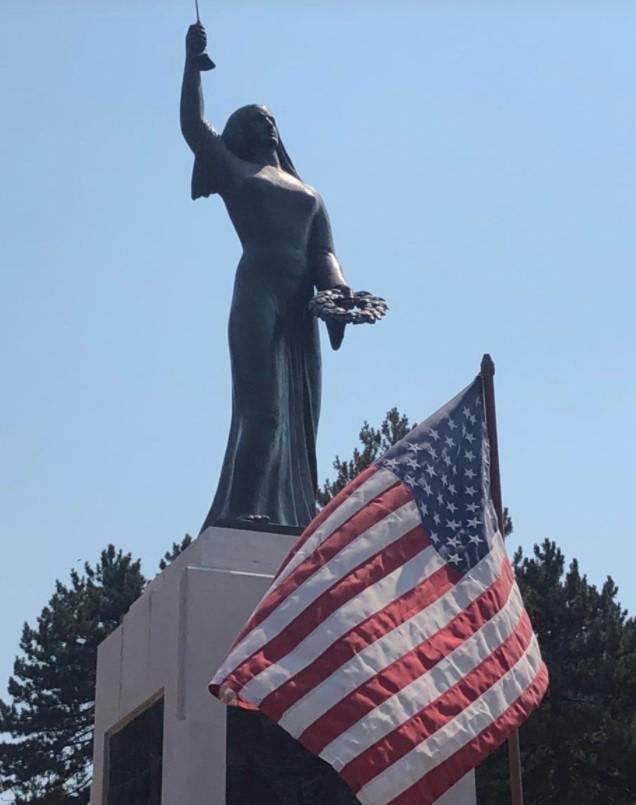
170	642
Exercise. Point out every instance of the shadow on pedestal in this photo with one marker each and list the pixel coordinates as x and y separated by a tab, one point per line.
265	765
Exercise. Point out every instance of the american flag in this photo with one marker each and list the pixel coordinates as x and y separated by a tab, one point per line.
393	642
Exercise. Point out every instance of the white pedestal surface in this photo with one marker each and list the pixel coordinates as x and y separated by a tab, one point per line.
170	642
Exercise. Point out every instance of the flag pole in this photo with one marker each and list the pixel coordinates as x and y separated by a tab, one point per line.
487	377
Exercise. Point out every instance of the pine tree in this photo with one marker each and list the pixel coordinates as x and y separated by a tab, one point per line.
579	747
177	548
374	442
50	718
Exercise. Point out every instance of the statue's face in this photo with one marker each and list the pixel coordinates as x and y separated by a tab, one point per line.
261	131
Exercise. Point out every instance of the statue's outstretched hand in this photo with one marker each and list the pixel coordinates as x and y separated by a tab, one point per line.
196	40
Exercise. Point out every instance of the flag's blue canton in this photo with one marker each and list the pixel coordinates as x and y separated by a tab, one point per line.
445	463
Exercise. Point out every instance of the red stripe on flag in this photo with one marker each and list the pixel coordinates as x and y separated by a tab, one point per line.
358	638
412	665
408	735
329	509
362	576
257	617
374	511
430	787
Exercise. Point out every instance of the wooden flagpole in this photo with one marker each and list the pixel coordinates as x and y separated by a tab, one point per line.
487	377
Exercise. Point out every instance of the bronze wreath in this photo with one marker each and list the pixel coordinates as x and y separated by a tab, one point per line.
359	308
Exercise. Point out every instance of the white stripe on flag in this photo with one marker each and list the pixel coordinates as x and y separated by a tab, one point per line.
391	528
454	735
413	698
379	482
394	644
350	614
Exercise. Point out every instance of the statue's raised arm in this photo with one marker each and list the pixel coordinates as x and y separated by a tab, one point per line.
216	168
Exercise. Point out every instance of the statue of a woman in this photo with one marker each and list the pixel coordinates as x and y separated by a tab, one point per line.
269	470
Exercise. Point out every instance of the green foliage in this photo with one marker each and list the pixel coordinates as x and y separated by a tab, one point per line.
579	747
374	443
177	548
50	718
508	527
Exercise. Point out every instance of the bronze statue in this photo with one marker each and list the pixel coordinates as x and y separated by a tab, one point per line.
269	471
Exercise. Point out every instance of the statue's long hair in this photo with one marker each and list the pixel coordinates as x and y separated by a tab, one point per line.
234	136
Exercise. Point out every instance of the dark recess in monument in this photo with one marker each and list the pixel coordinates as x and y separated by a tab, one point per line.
135	759
265	765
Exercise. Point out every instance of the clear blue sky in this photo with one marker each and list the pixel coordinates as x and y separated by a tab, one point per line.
478	163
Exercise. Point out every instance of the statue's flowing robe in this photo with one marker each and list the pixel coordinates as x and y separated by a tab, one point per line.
270	461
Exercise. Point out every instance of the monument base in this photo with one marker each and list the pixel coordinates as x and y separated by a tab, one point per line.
160	737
